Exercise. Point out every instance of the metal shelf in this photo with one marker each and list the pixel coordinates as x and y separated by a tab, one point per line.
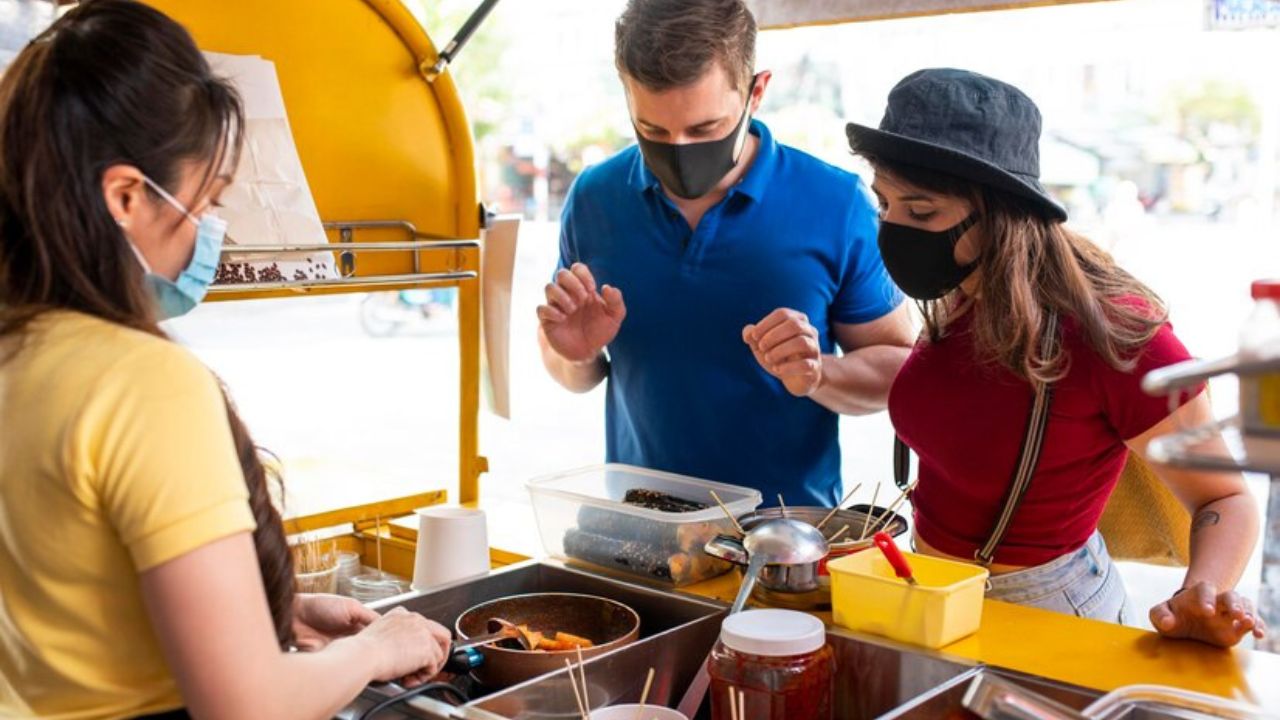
348	250
1218	446
1222	445
1170	379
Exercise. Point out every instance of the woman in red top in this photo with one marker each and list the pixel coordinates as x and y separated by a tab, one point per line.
971	234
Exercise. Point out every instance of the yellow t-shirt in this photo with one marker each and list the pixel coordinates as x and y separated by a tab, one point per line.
115	457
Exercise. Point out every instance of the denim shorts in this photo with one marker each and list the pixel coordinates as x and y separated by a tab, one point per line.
1084	583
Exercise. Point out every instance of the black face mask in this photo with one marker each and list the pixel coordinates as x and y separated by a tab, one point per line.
922	262
692	170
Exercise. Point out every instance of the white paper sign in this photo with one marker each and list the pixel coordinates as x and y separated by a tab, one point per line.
269	203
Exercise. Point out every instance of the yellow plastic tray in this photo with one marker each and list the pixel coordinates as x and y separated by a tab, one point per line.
947	604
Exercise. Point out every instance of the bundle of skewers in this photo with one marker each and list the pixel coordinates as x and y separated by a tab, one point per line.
737	704
578	682
874	520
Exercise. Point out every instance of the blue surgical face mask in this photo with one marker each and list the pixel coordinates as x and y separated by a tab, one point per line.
175	298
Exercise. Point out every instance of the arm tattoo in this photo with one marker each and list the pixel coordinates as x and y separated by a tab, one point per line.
1204	519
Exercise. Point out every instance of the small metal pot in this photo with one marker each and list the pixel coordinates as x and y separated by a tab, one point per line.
808	585
780	578
608	623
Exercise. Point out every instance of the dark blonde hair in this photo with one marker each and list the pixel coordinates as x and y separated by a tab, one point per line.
1030	265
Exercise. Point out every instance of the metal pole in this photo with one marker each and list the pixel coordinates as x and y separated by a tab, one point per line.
456	44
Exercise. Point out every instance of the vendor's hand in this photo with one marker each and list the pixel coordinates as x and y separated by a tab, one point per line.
577	319
1200	612
320	619
405	646
786	346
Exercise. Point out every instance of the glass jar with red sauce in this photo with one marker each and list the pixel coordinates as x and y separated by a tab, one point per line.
779	660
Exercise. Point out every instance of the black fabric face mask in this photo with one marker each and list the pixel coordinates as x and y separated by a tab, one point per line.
690	171
923	262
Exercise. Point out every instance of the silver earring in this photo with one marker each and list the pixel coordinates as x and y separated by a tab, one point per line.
122	223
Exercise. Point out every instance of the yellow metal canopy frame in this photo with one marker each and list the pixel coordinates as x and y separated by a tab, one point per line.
388	154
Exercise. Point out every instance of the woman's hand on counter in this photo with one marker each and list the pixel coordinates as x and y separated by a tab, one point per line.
1200	612
406	646
320	619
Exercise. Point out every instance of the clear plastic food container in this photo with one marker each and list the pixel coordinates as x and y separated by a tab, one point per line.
1157	701
582	517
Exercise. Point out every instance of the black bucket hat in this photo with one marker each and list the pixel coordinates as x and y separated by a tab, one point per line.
966	125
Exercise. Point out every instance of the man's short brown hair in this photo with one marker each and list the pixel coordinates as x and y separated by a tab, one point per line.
665	44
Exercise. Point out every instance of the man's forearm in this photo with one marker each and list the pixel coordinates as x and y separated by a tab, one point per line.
857	383
575	377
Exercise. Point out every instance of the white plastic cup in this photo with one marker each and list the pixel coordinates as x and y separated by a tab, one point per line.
453	544
629	712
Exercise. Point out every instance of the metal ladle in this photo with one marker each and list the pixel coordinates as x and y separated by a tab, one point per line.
499	630
778	542
773	542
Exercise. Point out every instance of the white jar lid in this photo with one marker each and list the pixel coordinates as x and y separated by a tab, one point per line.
773	633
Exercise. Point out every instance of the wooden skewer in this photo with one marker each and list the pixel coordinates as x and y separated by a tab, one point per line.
378	541
867	520
644	696
839	505
886	518
577	694
733	704
728	514
839	532
586	693
742	705
782	504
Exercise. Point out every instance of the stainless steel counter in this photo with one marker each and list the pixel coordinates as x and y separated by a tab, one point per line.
876	678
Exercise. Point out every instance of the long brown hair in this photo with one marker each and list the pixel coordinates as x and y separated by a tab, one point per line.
113	82
1029	265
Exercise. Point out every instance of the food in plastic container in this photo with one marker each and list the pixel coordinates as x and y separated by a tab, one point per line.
641	522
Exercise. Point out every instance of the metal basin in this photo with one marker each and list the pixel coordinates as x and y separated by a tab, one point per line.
875	678
946	701
669	626
872	678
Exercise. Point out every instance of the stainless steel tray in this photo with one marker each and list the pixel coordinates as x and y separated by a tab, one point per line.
671	628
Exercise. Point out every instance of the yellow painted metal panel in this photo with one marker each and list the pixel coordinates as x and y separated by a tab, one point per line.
376	139
473	465
396	555
1105	656
384	510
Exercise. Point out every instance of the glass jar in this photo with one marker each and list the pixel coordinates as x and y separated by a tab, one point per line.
376	585
779	662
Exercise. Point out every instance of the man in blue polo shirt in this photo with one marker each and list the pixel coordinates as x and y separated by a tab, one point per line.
728	287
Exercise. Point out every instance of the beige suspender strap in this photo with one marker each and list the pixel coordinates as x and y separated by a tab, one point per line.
1029	458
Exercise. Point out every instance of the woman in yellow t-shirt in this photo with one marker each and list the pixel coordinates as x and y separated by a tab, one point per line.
143	568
